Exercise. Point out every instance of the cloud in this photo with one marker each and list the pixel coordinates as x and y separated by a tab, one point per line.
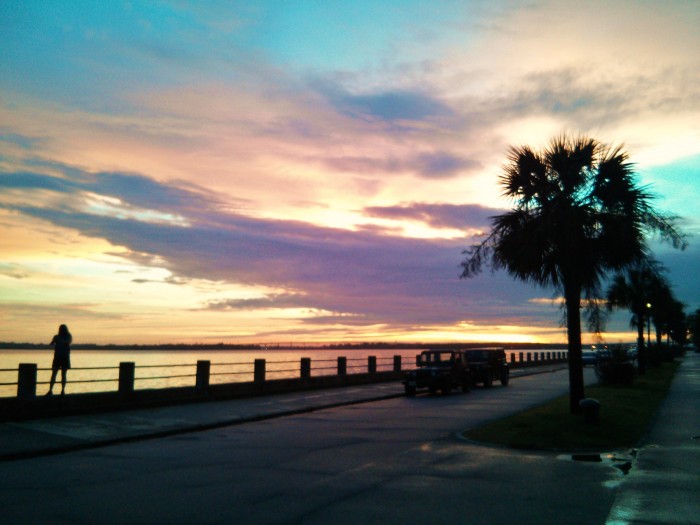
392	106
13	271
354	274
433	165
22	141
397	105
456	216
273	301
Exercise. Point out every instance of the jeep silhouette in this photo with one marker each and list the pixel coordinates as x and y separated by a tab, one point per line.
440	370
487	365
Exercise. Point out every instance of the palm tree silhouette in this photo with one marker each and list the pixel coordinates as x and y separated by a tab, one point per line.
647	294
577	214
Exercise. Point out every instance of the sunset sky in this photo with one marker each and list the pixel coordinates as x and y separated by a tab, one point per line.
311	170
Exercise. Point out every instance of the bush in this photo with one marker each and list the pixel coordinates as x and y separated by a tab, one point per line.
654	356
614	367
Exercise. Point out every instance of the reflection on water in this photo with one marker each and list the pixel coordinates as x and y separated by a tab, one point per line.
98	370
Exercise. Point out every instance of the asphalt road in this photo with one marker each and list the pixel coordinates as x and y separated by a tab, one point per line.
392	461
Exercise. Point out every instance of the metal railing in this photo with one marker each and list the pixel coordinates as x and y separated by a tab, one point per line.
127	376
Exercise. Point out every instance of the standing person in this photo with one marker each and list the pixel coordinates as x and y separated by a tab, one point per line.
61	357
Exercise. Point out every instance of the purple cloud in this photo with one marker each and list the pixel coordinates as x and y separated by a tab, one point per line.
436	165
457	216
367	277
388	105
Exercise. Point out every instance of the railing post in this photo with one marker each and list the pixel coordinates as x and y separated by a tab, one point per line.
259	372
512	358
203	373
397	363
372	364
549	356
127	372
521	357
305	368
417	359
529	357
342	366
26	381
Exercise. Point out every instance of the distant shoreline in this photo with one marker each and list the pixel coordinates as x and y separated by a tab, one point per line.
179	347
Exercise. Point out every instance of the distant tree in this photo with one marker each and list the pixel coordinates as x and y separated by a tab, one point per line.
676	324
577	214
694	327
645	292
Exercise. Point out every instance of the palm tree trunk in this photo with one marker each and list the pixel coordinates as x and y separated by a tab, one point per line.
641	350
572	297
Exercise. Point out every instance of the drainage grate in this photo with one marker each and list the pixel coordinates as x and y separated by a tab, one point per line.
623	464
593	458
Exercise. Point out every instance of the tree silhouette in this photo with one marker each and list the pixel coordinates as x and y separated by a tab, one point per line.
646	293
694	328
676	322
577	214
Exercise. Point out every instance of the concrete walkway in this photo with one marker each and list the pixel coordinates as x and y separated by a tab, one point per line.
663	487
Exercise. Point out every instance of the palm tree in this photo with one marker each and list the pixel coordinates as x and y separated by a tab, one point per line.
694	328
666	314
677	323
577	214
643	290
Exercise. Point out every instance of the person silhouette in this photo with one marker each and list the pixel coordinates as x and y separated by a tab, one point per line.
61	357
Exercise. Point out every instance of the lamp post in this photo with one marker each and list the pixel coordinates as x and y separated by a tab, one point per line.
648	325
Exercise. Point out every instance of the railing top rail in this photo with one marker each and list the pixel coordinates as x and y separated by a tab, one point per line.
146	378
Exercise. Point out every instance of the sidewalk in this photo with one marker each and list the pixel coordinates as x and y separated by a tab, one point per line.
664	484
20	440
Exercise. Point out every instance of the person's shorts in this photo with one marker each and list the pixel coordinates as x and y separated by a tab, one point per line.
61	361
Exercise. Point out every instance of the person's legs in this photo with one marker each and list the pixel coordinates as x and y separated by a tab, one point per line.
64	374
54	372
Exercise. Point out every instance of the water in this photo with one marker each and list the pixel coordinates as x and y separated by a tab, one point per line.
98	370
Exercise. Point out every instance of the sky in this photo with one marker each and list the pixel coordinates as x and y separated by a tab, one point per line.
311	171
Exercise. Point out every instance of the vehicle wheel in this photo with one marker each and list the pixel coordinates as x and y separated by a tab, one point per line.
432	389
410	391
465	386
446	389
488	381
505	377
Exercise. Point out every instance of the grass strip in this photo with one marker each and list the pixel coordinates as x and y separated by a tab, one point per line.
625	414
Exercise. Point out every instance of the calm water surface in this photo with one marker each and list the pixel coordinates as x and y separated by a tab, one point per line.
98	370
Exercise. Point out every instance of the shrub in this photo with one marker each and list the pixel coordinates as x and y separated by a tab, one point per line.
614	366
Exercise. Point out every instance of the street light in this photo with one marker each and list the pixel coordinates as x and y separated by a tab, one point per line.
648	325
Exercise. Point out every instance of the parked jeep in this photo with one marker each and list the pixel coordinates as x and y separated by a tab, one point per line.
487	365
440	370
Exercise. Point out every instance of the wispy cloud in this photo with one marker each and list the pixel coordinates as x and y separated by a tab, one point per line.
357	273
434	165
460	217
